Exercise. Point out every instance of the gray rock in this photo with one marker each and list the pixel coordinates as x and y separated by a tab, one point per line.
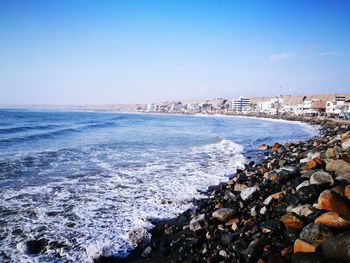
223	214
321	177
248	192
303	210
198	222
314	232
337	247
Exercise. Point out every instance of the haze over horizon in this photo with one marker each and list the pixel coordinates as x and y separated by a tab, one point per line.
111	52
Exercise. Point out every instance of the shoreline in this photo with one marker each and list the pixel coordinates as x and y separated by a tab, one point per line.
181	239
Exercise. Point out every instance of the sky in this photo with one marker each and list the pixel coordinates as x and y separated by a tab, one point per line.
139	51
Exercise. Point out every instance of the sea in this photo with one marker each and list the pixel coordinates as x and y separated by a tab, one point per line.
92	183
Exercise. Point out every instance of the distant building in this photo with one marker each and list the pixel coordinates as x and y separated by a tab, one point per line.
335	106
271	107
240	104
311	107
151	107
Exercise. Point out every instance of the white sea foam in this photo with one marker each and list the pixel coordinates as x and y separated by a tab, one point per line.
107	212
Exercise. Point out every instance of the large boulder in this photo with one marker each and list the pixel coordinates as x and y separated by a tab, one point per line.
321	178
332	201
337	247
338	166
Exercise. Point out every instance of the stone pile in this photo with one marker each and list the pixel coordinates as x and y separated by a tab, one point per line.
291	206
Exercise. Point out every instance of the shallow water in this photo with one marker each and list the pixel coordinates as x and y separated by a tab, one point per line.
88	180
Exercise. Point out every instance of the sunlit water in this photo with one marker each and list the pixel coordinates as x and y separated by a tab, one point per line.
86	180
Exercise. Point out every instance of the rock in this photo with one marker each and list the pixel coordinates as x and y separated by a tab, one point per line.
248	193
305	183
347	192
331	153
272	176
332	219
314	232
291	234
291	221
314	163
223	253
270	226
308	194
311	257
345	143
35	246
239	187
263	210
303	210
263	147
198	222
332	201
276	146
338	166
321	177
147	252
223	214
268	200
337	247
345	135
254	250
304	247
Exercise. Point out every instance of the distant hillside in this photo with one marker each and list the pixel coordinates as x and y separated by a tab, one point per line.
294	100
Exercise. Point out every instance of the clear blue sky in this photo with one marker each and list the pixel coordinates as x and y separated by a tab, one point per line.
98	52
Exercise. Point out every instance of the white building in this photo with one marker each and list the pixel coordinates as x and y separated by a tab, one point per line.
151	107
335	107
175	107
240	104
271	107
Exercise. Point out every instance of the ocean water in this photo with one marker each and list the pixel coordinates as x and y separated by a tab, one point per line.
90	182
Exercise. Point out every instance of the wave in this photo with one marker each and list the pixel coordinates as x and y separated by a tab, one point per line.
50	134
109	210
26	128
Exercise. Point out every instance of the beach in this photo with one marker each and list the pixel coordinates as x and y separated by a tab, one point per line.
290	206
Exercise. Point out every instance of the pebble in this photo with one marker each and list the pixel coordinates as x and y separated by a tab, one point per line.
248	193
198	222
223	214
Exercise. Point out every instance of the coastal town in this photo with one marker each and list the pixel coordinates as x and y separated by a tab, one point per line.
334	106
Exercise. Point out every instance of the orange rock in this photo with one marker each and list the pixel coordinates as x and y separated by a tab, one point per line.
347	192
304	247
291	221
218	206
277	195
332	219
276	146
332	201
314	163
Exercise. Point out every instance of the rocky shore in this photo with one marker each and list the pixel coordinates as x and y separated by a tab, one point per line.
292	205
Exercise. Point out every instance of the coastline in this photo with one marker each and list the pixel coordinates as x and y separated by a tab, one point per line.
188	239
